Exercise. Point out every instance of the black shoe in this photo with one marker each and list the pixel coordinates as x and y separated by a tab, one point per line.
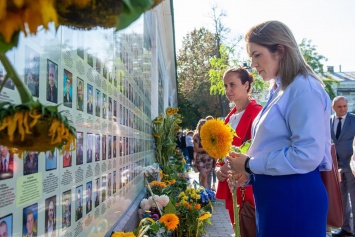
342	233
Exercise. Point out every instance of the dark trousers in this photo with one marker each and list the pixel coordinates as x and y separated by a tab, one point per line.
190	150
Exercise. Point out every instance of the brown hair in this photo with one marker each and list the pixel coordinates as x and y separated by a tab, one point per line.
272	35
243	74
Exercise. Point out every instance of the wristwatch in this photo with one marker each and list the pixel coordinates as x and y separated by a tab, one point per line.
246	166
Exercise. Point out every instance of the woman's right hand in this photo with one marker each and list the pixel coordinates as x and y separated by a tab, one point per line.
222	172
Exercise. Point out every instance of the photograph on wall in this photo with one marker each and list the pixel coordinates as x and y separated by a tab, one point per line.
6	226
30	220
103	147
114	146
88	197
120	115
104	106
104	73
97	147
89	147
67	159
80	94
51	160
52	81
90	59
114	110
66	209
78	202
6	164
9	83
109	108
30	162
32	71
103	189
97	192
80	52
120	147
98	65
90	100
79	148
67	85
109	184
109	146
114	183
98	103
50	218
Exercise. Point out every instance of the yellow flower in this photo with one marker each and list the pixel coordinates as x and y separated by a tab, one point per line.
216	138
122	234
171	221
205	216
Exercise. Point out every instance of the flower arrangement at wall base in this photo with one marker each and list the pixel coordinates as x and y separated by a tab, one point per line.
164	131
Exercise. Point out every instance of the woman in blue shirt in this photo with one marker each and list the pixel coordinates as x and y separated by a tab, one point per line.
291	139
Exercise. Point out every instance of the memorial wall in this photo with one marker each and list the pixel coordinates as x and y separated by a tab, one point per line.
102	81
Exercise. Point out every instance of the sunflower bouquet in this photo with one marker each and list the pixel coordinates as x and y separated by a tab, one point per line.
216	139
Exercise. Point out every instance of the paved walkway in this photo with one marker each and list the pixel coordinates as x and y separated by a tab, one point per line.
221	226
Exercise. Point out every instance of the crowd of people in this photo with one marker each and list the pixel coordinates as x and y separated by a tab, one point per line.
292	135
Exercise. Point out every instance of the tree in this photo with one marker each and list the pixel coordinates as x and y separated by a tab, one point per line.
314	59
195	101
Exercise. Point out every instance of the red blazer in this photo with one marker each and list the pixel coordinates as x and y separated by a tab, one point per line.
243	132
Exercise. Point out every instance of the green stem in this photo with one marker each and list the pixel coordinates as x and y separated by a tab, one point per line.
151	193
235	209
24	92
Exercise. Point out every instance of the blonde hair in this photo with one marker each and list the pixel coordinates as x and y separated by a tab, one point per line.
272	35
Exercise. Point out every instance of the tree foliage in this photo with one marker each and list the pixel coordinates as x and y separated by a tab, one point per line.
195	101
314	59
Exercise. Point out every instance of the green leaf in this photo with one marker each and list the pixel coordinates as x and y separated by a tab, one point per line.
170	208
4	46
131	11
244	148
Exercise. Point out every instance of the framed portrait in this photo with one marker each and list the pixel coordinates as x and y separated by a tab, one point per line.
67	159
104	147
103	189
50	217
67	91
52	81
30	220
90	100
51	160
104	106
9	83
109	184
109	108
97	192
88	197
89	147
78	202
79	148
32	60
66	209
30	162
80	94
115	110
6	225
97	147
114	147
109	146
114	182
6	163
98	103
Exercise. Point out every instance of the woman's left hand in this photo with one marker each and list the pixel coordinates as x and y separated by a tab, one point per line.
236	162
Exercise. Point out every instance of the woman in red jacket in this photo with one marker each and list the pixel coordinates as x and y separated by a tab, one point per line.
237	83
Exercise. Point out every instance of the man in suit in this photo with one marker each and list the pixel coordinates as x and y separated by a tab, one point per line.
342	132
67	97
51	87
7	163
50	225
79	209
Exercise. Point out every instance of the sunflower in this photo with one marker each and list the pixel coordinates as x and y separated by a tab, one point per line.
122	234
216	138
171	221
205	216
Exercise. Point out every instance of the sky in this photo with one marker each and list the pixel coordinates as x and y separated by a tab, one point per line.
330	24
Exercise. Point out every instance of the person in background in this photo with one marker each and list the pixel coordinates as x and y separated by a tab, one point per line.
203	162
190	146
238	86
342	125
288	151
